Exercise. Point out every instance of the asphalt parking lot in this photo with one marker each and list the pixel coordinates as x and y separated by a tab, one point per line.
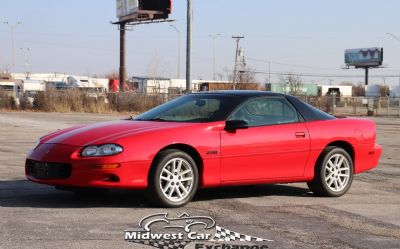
36	216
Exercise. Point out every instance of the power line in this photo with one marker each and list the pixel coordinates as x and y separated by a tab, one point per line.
291	65
324	75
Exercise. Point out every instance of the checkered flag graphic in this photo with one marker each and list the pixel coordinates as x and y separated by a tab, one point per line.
223	234
163	244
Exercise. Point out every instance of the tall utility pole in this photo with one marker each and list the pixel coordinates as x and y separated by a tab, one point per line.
189	47
214	37
237	38
179	49
12	27
122	61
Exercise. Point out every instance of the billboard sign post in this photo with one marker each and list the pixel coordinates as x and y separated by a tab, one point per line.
135	12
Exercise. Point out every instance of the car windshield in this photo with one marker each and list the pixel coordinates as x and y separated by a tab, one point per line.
195	108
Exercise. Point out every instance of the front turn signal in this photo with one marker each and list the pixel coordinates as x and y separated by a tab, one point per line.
106	166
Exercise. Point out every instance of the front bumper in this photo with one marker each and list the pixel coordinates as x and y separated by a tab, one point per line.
49	163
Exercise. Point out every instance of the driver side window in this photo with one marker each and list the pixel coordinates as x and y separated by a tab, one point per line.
266	111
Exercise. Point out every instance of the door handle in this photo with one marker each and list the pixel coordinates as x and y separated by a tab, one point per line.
301	134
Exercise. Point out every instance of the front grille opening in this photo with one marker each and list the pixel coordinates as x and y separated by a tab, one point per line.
47	170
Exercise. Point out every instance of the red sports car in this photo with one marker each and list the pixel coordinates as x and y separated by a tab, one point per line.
207	140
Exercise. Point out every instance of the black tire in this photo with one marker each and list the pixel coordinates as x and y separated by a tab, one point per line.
319	185
154	192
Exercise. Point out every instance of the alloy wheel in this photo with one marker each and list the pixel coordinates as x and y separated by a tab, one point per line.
337	172
176	179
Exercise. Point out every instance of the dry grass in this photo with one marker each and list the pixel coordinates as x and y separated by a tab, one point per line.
69	101
77	101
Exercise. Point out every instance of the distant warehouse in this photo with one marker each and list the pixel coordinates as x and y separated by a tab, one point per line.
309	89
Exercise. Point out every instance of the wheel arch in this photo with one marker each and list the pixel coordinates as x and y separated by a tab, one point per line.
348	147
190	150
317	185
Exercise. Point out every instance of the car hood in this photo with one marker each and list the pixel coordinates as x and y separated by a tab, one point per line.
106	132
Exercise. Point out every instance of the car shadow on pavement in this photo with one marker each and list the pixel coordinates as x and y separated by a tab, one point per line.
252	191
22	193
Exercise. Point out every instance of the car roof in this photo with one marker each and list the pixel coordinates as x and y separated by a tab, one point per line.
244	93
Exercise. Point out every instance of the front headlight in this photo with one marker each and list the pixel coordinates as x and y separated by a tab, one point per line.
101	150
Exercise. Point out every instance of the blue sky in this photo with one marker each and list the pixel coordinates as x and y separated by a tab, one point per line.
310	36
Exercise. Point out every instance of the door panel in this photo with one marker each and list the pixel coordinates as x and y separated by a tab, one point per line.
276	144
264	152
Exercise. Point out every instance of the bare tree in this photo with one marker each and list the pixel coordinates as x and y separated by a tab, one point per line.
113	75
5	68
359	90
227	74
347	83
247	76
384	91
292	83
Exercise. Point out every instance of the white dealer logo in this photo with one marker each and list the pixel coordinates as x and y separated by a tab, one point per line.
162	231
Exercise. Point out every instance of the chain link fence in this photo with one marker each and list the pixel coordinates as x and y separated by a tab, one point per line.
356	106
73	100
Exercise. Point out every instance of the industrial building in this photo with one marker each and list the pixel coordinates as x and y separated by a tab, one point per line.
309	89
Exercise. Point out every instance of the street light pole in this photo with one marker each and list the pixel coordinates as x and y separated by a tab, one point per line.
394	36
214	37
12	27
397	39
189	47
26	59
269	72
179	49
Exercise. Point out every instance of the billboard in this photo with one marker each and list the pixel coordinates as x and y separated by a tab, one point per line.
364	57
127	7
143	9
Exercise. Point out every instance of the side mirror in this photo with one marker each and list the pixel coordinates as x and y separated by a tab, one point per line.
233	125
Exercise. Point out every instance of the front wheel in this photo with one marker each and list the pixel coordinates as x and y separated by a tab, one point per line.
333	173
174	179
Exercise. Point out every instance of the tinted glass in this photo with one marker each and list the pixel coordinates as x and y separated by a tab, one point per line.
309	112
193	108
266	111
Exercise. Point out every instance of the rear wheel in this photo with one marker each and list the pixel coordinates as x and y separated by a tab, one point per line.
173	180
333	173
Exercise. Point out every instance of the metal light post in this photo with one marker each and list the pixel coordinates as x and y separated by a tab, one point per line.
397	39
394	36
189	47
26	59
269	72
179	49
214	37
12	27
